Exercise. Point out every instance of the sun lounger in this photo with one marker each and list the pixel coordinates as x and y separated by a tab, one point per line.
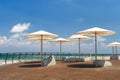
102	63
48	61
69	59
114	57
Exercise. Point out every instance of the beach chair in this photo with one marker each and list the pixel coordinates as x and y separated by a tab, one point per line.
114	57
69	59
102	63
50	61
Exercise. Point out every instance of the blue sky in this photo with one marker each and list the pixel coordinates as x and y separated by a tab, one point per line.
62	17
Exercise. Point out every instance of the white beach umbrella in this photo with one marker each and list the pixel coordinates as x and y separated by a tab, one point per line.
96	32
60	40
114	46
79	37
41	35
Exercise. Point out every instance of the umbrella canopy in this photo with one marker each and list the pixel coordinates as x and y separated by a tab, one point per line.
114	46
38	38
96	32
60	40
41	35
79	37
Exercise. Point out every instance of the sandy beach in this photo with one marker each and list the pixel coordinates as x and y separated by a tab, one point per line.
61	71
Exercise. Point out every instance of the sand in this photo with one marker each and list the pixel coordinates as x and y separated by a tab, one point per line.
61	71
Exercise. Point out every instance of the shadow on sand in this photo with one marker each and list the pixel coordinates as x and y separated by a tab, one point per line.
30	65
82	66
32	62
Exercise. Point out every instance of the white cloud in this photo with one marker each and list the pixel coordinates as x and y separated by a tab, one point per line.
20	28
18	40
15	36
101	39
3	39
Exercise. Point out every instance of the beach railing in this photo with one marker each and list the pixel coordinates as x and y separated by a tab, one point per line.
6	58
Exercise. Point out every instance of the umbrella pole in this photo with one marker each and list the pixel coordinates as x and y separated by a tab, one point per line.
95	46
90	53
116	49
112	49
79	47
41	46
60	50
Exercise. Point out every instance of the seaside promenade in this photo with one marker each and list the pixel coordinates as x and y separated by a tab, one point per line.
16	57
